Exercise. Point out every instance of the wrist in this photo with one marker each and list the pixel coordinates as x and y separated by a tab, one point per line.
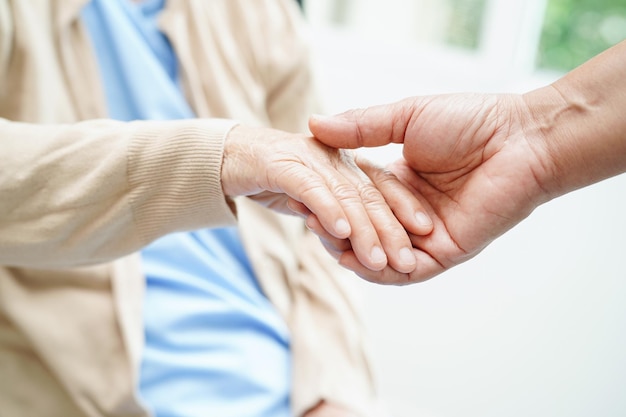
580	124
547	129
239	170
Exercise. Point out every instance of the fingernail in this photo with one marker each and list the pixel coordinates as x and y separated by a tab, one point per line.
378	255
422	219
342	227
406	256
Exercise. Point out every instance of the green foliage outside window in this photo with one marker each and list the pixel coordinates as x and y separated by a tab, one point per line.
465	22
576	30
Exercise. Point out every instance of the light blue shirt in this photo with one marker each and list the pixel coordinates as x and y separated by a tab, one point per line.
215	346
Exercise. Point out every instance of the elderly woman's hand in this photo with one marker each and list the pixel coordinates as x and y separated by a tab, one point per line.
296	173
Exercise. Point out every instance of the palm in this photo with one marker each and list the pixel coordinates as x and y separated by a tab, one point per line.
456	151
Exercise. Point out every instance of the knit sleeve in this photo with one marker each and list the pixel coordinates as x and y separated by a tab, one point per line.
93	191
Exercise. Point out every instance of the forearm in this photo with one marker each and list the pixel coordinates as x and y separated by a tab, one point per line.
581	119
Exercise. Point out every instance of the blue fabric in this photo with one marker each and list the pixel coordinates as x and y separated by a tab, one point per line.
215	346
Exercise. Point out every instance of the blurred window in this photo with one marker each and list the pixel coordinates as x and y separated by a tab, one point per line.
519	36
575	30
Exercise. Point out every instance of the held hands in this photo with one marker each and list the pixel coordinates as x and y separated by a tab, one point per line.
475	162
295	173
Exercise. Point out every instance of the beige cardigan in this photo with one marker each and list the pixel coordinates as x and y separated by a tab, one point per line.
80	195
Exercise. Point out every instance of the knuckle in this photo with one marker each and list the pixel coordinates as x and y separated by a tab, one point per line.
370	195
384	177
346	192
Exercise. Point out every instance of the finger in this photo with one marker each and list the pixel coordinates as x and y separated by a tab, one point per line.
373	126
403	200
427	268
364	237
336	202
298	208
386	227
338	184
392	235
331	243
309	188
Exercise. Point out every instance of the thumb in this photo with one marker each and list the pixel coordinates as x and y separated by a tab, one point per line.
372	126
